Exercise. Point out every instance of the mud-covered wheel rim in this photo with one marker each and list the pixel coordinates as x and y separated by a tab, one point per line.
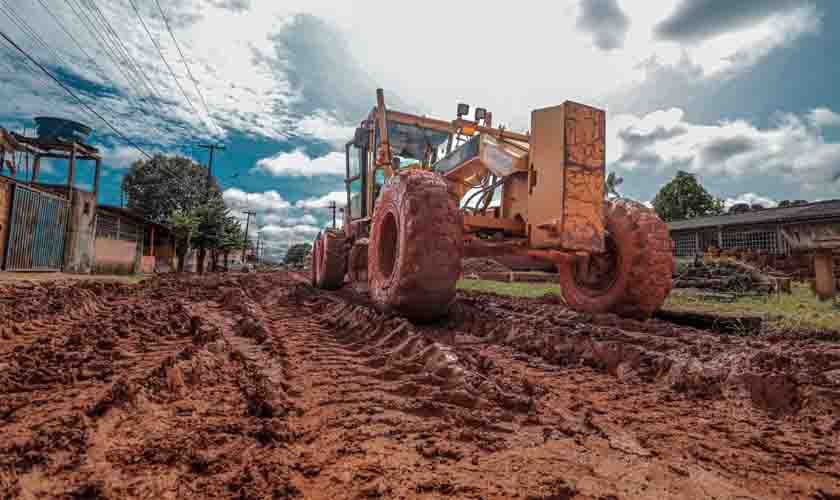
597	274
389	246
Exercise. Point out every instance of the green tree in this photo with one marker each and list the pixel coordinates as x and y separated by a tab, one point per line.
183	225
685	198
211	218
158	187
297	253
232	240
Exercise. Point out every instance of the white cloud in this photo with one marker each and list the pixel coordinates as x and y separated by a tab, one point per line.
298	164
273	219
252	84
791	150
339	197
120	157
323	126
301	231
735	50
268	201
824	117
750	199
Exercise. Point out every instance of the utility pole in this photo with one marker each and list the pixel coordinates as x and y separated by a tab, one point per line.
212	148
247	227
259	243
333	208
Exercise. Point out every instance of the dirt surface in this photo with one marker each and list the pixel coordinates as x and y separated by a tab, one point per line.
44	277
259	386
480	265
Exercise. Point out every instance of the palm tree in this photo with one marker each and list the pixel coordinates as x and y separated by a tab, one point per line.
611	184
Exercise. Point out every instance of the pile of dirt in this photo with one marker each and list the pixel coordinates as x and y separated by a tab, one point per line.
481	265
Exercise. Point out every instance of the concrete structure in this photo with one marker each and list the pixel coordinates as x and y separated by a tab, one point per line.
128	244
46	227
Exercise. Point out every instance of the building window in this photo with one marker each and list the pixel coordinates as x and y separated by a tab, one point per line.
760	240
685	244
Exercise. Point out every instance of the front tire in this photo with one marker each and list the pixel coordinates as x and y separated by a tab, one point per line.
416	245
633	277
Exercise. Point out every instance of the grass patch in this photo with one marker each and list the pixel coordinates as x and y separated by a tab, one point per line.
532	290
799	309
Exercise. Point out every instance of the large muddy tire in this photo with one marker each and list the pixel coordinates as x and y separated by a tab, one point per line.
357	268
416	245
332	260
633	277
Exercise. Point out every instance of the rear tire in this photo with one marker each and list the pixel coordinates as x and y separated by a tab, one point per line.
358	262
332	260
633	277
313	261
416	245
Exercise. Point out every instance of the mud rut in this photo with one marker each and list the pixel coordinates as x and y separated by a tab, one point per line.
259	386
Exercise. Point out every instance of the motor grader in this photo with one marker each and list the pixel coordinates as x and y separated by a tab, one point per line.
422	194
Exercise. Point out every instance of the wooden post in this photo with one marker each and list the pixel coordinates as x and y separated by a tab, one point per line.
96	179
826	285
71	174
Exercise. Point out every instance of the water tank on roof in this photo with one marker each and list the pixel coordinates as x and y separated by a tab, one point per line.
51	129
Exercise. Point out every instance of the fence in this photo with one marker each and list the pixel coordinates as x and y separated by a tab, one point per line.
38	226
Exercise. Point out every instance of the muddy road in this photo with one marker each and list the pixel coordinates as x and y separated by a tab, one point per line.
258	386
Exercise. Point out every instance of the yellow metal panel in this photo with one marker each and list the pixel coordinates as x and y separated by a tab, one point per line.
566	178
545	175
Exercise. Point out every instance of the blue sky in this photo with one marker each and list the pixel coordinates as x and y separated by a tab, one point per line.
744	94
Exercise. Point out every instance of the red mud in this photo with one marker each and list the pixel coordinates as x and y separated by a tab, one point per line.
259	386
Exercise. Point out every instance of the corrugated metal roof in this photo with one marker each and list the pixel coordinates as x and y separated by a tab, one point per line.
810	211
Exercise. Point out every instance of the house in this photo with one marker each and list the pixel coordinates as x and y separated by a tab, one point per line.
771	236
46	227
761	231
126	243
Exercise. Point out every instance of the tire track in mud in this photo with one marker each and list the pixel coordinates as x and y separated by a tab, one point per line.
171	365
622	426
258	386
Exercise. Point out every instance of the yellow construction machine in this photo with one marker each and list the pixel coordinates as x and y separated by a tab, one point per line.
422	194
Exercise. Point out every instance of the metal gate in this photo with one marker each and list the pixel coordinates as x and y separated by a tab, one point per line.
38	224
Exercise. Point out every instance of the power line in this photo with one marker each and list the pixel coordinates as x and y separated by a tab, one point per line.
26	28
70	35
189	72
160	52
73	94
105	74
131	62
109	51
